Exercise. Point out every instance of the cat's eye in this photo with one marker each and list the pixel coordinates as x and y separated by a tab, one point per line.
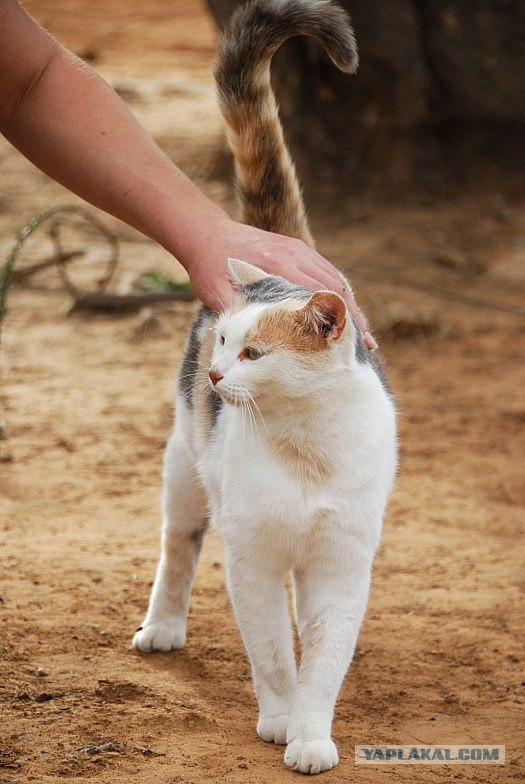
254	353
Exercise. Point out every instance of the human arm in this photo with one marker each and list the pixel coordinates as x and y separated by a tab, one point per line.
62	116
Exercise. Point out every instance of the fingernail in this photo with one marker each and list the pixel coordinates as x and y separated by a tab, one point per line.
370	342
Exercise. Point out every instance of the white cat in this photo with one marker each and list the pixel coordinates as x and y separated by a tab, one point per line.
285	437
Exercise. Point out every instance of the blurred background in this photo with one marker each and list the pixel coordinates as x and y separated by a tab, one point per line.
413	176
438	100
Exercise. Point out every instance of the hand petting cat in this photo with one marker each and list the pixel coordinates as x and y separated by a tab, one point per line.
62	116
287	257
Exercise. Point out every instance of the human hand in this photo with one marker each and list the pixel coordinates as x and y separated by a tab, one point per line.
287	257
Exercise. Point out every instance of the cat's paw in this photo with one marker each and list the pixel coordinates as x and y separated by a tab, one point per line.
272	729
311	756
164	636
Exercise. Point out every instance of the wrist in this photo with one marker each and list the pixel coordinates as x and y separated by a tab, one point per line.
191	240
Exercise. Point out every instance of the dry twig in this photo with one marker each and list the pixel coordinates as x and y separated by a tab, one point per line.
98	299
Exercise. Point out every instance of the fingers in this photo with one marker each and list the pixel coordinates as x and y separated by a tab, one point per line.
322	274
311	263
278	255
343	290
370	341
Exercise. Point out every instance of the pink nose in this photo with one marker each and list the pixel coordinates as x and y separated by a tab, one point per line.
215	377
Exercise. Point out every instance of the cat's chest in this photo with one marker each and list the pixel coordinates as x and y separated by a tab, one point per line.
278	478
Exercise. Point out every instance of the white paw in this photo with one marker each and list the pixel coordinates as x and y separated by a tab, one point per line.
164	636
272	729
311	756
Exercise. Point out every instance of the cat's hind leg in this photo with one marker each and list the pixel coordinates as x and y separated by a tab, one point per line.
164	627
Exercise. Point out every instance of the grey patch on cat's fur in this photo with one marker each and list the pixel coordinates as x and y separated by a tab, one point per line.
216	403
205	318
366	357
362	354
274	289
191	355
379	368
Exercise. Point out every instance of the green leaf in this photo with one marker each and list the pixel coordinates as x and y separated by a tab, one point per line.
155	281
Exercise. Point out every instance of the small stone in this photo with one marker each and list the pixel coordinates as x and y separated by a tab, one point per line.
44	697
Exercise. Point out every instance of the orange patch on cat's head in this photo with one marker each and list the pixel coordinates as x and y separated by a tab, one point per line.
302	328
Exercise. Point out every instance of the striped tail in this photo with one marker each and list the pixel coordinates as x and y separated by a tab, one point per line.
269	190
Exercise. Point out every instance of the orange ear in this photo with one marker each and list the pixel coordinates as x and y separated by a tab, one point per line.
326	314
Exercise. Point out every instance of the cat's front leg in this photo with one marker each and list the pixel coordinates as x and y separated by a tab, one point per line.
164	627
259	600
330	609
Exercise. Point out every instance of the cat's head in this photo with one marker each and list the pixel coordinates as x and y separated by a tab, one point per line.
278	341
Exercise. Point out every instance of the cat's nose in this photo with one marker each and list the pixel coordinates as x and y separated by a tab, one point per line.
215	376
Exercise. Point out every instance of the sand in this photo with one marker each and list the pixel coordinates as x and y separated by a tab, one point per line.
87	407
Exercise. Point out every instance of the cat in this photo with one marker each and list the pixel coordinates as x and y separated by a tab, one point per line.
285	432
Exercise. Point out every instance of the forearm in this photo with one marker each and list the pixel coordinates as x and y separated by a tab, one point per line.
85	138
74	127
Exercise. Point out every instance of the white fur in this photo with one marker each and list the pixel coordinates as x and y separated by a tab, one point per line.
274	523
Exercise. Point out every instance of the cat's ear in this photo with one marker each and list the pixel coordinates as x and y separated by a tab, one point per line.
243	274
326	314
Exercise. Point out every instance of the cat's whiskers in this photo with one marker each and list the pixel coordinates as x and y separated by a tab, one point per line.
260	414
252	420
169	408
237	405
243	413
202	386
201	393
247	409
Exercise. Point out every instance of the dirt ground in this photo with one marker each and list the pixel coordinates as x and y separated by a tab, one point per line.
87	407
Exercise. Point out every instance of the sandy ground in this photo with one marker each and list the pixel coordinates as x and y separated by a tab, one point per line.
87	407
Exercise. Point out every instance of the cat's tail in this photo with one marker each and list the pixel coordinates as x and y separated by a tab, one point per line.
269	189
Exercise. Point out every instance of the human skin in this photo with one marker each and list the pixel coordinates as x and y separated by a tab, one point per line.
71	124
